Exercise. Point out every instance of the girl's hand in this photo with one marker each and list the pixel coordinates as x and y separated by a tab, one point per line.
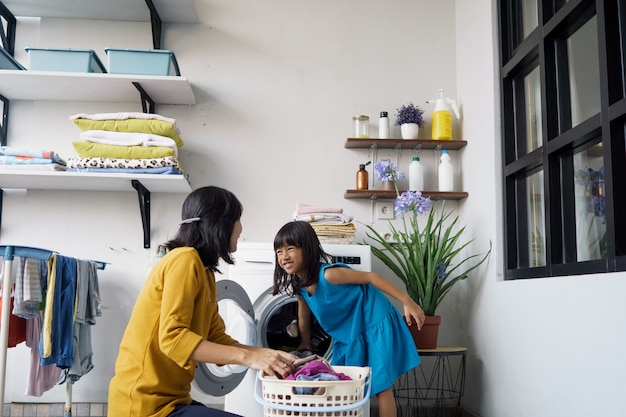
413	312
272	362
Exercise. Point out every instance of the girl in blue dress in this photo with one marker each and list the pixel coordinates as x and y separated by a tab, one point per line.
351	307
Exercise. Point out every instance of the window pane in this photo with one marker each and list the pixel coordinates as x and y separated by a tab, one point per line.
584	73
535	221
532	92
529	16
590	204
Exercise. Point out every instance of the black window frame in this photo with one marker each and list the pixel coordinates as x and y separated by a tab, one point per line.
545	48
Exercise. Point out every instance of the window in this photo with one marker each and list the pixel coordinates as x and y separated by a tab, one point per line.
563	69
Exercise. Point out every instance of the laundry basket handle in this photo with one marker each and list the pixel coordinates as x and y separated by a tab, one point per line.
259	398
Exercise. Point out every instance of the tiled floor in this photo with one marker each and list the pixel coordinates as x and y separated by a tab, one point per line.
55	410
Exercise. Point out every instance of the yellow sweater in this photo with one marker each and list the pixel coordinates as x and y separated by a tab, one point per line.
176	309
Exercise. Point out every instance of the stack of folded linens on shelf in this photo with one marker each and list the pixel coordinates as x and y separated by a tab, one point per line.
330	223
139	143
17	159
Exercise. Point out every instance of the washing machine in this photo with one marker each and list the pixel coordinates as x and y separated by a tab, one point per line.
254	317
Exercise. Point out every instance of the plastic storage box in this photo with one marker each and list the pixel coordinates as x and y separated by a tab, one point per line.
7	62
329	398
142	61
68	60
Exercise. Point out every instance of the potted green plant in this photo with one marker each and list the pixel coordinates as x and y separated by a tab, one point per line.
426	259
410	117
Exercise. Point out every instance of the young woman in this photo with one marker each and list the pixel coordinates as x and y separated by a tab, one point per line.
175	321
351	307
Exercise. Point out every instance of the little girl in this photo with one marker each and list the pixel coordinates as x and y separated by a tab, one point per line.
350	306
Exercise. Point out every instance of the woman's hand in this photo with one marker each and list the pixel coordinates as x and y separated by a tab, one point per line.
272	362
413	312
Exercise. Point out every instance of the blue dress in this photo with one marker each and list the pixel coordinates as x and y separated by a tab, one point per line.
367	330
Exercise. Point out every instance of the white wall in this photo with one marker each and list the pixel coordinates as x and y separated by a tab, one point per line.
541	347
277	84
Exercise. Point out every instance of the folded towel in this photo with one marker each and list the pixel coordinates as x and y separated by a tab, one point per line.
77	162
108	137
122	116
334	230
33	167
31	153
308	209
324	218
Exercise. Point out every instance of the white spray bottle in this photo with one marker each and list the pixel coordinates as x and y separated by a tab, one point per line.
442	117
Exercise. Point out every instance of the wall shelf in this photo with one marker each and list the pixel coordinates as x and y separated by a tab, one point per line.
72	86
177	11
361	143
391	195
398	145
143	184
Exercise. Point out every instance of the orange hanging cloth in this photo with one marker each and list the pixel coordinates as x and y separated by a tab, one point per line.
17	327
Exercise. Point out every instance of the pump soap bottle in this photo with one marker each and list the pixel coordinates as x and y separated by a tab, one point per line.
442	117
362	177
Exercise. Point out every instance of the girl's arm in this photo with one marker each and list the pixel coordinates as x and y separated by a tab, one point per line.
340	275
304	325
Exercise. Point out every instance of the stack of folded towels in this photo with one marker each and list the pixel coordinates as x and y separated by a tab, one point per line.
17	159
330	223
128	142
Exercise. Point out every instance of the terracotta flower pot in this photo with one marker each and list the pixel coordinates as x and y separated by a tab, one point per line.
427	337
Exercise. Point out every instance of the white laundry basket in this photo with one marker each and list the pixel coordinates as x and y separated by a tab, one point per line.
330	398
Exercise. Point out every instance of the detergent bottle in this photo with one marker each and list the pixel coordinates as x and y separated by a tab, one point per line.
442	117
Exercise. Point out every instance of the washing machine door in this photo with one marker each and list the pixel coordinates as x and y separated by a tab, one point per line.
237	312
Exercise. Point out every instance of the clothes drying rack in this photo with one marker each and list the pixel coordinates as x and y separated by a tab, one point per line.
9	253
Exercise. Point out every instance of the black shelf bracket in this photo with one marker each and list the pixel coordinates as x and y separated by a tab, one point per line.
7	35
155	19
147	103
4	123
144	207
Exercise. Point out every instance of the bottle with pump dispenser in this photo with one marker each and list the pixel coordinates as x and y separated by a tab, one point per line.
446	172
442	117
416	175
362	177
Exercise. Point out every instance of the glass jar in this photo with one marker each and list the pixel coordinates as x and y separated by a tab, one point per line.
361	126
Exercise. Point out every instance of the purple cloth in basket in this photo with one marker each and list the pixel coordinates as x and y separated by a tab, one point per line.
317	367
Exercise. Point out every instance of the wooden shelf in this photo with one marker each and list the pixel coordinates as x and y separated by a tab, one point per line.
391	195
361	143
114	88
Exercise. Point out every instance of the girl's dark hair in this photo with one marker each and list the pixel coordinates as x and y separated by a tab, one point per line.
301	235
218	210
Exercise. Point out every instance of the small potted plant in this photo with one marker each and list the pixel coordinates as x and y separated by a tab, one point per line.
410	118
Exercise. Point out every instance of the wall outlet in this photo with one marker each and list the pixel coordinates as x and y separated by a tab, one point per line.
384	210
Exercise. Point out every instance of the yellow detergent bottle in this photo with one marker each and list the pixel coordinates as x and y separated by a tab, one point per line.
442	117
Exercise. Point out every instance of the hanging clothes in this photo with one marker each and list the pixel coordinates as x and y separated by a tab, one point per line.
41	378
88	307
30	279
57	339
17	328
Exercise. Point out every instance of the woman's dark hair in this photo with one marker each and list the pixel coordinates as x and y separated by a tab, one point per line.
218	210
301	235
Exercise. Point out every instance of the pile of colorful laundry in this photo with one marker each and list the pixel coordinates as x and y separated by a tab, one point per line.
314	368
12	159
330	223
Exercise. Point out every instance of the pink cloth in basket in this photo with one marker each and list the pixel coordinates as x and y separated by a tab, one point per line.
317	367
